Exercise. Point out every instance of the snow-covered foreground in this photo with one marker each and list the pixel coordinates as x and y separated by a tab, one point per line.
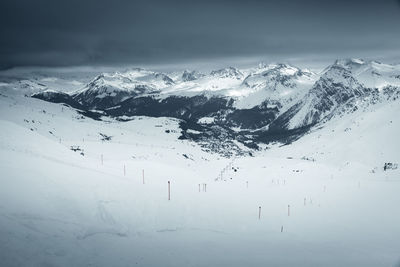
61	208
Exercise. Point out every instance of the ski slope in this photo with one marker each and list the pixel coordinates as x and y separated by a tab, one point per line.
61	208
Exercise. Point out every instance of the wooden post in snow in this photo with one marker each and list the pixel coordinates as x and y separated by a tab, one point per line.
304	201
143	175
169	190
199	188
288	210
281	228
259	212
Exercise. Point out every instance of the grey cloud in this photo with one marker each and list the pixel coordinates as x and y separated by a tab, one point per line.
56	32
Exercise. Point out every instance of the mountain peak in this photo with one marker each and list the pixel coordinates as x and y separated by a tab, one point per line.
350	64
188	75
229	72
350	61
345	67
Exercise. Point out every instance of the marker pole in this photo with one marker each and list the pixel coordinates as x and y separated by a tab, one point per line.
169	190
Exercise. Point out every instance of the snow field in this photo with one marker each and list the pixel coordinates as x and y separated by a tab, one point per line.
59	208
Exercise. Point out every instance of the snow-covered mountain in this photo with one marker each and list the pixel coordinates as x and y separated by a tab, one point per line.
188	76
229	72
343	87
133	190
275	102
275	83
107	90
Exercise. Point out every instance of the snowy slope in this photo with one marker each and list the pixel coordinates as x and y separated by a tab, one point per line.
61	208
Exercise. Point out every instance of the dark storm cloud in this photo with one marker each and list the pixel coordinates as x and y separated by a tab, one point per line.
55	32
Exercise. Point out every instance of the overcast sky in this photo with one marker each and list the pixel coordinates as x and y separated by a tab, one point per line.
119	32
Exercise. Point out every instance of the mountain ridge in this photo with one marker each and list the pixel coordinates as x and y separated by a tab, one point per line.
270	103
